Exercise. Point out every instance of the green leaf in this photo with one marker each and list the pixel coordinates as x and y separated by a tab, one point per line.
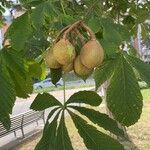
7	96
55	74
104	72
94	24
5	120
19	31
62	139
129	21
35	70
141	67
14	61
111	40
15	65
109	47
101	119
39	14
23	86
123	32
124	98
67	19
44	101
47	141
52	113
32	3
113	35
49	134
145	31
94	139
109	29
87	97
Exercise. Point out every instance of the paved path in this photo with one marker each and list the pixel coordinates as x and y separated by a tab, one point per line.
23	105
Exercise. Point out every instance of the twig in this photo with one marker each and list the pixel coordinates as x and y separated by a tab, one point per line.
61	32
64	88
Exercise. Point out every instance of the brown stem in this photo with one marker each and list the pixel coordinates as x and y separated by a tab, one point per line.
61	32
80	36
76	24
89	31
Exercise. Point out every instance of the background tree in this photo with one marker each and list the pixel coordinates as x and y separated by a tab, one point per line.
113	23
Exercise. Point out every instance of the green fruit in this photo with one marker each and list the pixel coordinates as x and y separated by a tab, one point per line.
64	52
51	61
80	69
92	54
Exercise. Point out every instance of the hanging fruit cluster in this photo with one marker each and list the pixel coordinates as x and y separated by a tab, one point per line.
64	53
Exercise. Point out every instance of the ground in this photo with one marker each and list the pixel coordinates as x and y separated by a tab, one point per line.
139	133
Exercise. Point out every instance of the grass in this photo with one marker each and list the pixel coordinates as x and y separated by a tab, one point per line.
50	89
139	133
53	88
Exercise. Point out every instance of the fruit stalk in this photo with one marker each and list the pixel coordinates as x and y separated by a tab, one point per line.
64	88
61	32
75	25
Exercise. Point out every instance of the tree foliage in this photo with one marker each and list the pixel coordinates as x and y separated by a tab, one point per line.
29	35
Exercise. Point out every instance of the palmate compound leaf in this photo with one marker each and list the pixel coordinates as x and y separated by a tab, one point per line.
124	98
44	101
141	67
7	96
100	119
104	72
86	97
94	139
56	137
